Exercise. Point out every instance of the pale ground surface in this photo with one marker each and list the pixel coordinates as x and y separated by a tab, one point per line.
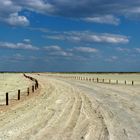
10	82
69	109
120	77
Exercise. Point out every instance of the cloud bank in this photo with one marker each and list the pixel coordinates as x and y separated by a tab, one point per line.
99	11
89	37
20	45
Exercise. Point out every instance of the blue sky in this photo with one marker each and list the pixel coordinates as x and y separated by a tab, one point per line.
63	35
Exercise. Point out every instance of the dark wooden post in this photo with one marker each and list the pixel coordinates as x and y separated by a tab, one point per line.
32	88
18	94
103	80
7	98
28	91
132	82
125	82
97	80
93	79
37	84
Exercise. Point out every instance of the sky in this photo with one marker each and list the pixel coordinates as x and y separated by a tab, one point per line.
70	35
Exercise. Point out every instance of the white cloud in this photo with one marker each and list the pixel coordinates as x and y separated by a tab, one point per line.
56	50
123	49
138	50
16	20
8	7
40	6
110	38
53	48
21	45
19	57
61	53
55	37
44	30
99	11
129	50
9	13
86	49
27	40
90	37
112	59
106	19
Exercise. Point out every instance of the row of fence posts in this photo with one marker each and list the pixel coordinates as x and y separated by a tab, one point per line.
33	88
98	80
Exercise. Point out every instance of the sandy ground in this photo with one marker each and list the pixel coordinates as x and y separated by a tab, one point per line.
67	109
11	83
116	76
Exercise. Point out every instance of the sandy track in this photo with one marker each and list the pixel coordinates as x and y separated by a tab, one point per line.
119	106
74	110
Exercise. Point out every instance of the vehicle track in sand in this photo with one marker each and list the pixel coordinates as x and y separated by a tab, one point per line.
118	104
60	112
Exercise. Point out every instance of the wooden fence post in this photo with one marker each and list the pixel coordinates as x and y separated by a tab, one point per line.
125	82
103	80
97	80
116	81
18	94
37	84
132	82
7	98
28	91
109	81
32	88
